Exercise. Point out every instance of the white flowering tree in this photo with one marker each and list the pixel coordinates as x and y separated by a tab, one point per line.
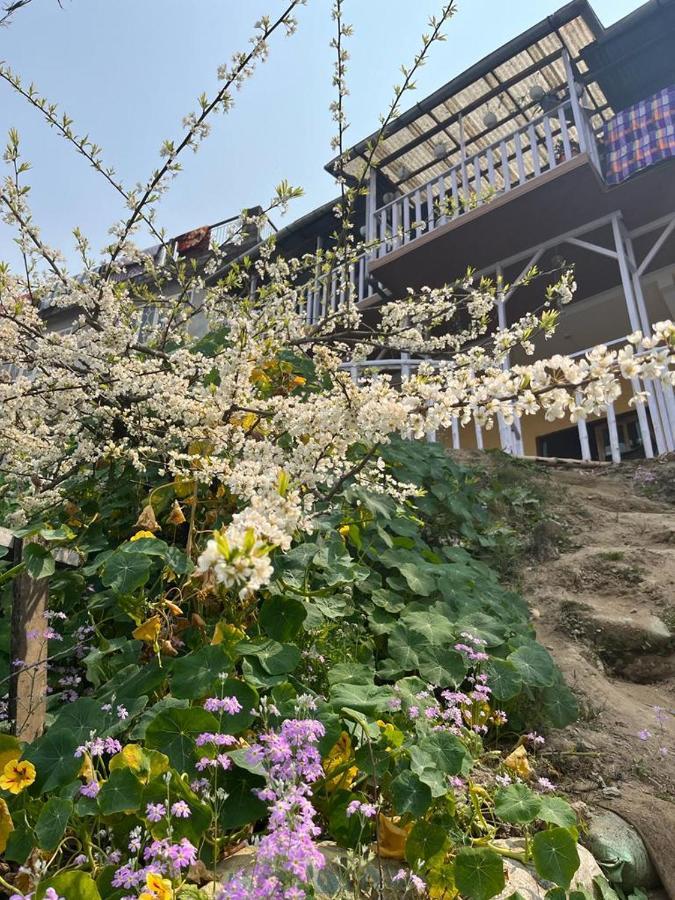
187	461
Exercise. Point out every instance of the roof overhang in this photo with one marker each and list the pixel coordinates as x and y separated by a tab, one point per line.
425	141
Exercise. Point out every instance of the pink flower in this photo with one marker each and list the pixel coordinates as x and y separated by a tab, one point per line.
155	812
644	735
181	810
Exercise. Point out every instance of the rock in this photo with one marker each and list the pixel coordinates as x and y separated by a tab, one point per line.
545	538
611	792
621	851
523	879
332	880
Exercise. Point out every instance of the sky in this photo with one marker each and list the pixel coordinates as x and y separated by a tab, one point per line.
127	71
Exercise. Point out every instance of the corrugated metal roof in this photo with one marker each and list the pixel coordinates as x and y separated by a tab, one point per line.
425	141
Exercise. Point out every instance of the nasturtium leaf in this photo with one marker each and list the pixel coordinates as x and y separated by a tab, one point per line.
196	675
421	582
560	705
555	855
436	757
479	873
369	699
39	561
517	804
504	678
52	821
120	793
125	572
350	673
179	561
149	546
173	731
74	885
424	842
275	658
534	663
410	795
53	756
143	762
247	697
557	811
281	618
241	806
138	732
81	717
440	665
20	844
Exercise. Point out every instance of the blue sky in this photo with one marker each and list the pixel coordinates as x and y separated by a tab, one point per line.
127	71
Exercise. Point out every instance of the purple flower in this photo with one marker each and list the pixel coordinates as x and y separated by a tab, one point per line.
227	704
366	809
122	712
414	712
50	894
394	704
545	785
644	735
663	751
181	810
220	740
154	812
90	789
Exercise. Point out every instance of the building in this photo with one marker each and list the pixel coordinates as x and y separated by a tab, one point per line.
558	146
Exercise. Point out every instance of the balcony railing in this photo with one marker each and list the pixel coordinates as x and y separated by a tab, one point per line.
538	147
328	291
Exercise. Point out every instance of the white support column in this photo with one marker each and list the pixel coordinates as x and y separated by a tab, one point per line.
582	427
505	435
635	324
455	434
579	119
613	434
642	419
667	422
479	435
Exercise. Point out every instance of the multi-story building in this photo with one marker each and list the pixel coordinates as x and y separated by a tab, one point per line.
557	148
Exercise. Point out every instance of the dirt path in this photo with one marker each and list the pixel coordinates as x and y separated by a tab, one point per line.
604	603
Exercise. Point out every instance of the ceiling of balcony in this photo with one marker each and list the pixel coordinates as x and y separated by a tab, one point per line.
425	142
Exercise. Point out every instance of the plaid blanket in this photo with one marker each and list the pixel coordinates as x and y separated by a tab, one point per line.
640	136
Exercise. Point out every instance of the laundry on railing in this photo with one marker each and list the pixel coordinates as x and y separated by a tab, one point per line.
640	136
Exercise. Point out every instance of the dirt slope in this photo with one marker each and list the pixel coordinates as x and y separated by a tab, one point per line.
603	595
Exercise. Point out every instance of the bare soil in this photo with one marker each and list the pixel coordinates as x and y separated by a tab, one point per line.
603	597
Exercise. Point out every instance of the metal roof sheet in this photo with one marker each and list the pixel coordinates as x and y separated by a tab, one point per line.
425	140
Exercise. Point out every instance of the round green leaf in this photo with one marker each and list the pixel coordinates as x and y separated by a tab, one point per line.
535	664
560	705
121	793
241	806
555	855
173	731
517	804
504	678
275	658
410	795
73	885
196	675
39	561
440	665
479	873
281	618
424	842
557	811
54	759
125	572
52	822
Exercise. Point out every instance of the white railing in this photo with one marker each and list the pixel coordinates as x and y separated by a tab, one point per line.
539	147
328	291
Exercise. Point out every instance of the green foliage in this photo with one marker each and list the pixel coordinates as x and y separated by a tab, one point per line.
479	873
555	855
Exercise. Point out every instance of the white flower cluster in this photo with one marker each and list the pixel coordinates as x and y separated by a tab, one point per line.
238	560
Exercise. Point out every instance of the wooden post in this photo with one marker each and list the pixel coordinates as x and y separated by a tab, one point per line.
28	683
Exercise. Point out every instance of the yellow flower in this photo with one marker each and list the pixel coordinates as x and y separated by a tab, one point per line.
158	888
17	775
392	837
141	534
336	764
519	763
148	630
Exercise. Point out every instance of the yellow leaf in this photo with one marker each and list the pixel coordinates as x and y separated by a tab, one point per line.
338	757
87	768
147	520
392	837
176	516
519	763
183	487
176	610
227	633
149	630
146	764
6	825
9	749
